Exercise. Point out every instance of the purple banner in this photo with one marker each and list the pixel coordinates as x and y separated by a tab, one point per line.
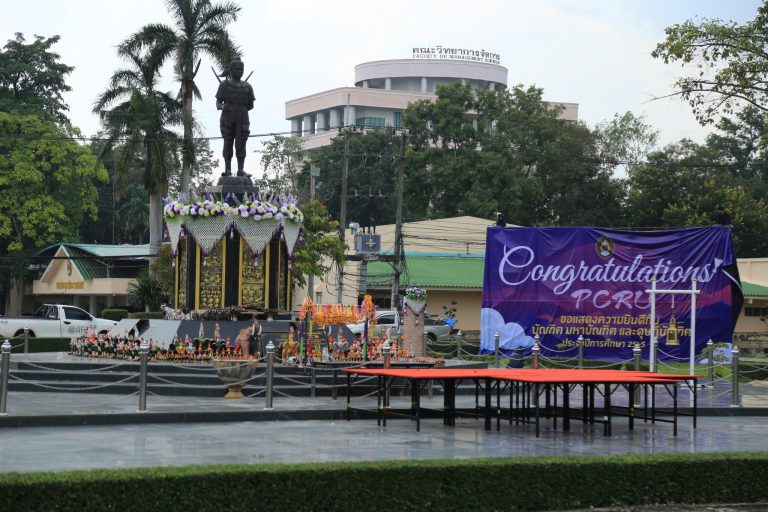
562	283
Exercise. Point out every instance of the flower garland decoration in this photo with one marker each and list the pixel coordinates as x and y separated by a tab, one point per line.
415	293
253	207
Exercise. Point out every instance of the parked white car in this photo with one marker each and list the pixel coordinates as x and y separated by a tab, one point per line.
436	329
54	321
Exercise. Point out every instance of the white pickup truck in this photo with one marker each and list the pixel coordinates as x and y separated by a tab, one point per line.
54	321
436	330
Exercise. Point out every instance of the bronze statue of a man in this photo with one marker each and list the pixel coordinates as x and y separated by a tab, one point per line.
234	98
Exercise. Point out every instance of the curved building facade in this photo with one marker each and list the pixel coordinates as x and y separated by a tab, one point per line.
382	91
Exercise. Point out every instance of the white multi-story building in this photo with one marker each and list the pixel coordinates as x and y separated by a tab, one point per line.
382	91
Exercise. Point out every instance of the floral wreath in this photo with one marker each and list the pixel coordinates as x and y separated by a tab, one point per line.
415	293
254	207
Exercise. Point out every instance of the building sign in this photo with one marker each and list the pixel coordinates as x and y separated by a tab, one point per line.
439	52
562	283
70	285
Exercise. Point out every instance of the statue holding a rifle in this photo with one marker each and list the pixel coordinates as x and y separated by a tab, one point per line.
234	98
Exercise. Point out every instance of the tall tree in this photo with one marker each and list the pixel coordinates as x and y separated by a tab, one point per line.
47	181
46	188
138	120
478	151
627	140
686	184
199	28
372	169
281	159
321	246
202	172
32	80
729	64
133	215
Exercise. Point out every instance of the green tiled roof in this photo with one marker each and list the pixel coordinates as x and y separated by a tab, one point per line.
87	259
754	290
113	251
434	271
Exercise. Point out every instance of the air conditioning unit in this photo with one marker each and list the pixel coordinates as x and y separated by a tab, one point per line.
367	243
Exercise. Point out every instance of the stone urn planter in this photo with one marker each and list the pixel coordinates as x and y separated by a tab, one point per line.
233	373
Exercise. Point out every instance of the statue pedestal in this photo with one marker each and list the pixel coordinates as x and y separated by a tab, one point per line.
234	185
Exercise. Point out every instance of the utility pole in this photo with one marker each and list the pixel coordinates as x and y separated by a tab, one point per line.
314	171
343	214
399	226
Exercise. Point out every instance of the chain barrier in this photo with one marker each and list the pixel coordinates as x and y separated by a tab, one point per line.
91	370
187	366
19	396
203	386
716	395
59	388
262	391
675	357
760	369
561	351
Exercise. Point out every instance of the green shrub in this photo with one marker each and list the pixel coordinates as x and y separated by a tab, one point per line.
539	483
152	315
114	314
41	345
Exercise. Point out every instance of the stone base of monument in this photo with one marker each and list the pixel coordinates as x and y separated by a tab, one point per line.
234	373
233	185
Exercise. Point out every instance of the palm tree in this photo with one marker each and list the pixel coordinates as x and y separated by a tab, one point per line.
138	127
199	27
134	214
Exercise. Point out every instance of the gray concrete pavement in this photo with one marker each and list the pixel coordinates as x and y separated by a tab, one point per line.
91	430
84	447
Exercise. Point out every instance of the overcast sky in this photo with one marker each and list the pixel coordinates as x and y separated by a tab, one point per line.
592	52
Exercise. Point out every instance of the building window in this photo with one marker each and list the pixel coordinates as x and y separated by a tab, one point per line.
370	122
397	120
755	311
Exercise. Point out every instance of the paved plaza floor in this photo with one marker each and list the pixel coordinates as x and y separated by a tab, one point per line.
55	431
161	444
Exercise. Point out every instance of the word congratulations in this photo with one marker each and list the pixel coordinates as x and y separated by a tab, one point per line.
521	259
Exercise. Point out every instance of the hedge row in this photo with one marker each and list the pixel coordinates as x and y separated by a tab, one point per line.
521	483
152	315
41	345
114	314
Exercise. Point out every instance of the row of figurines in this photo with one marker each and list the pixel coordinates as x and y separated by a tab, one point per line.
206	349
128	348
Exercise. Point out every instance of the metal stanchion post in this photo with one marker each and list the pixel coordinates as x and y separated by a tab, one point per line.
496	348
735	399
5	367
459	337
580	341
313	381
535	352
270	373
655	355
26	339
637	354
386	350
143	357
710	364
